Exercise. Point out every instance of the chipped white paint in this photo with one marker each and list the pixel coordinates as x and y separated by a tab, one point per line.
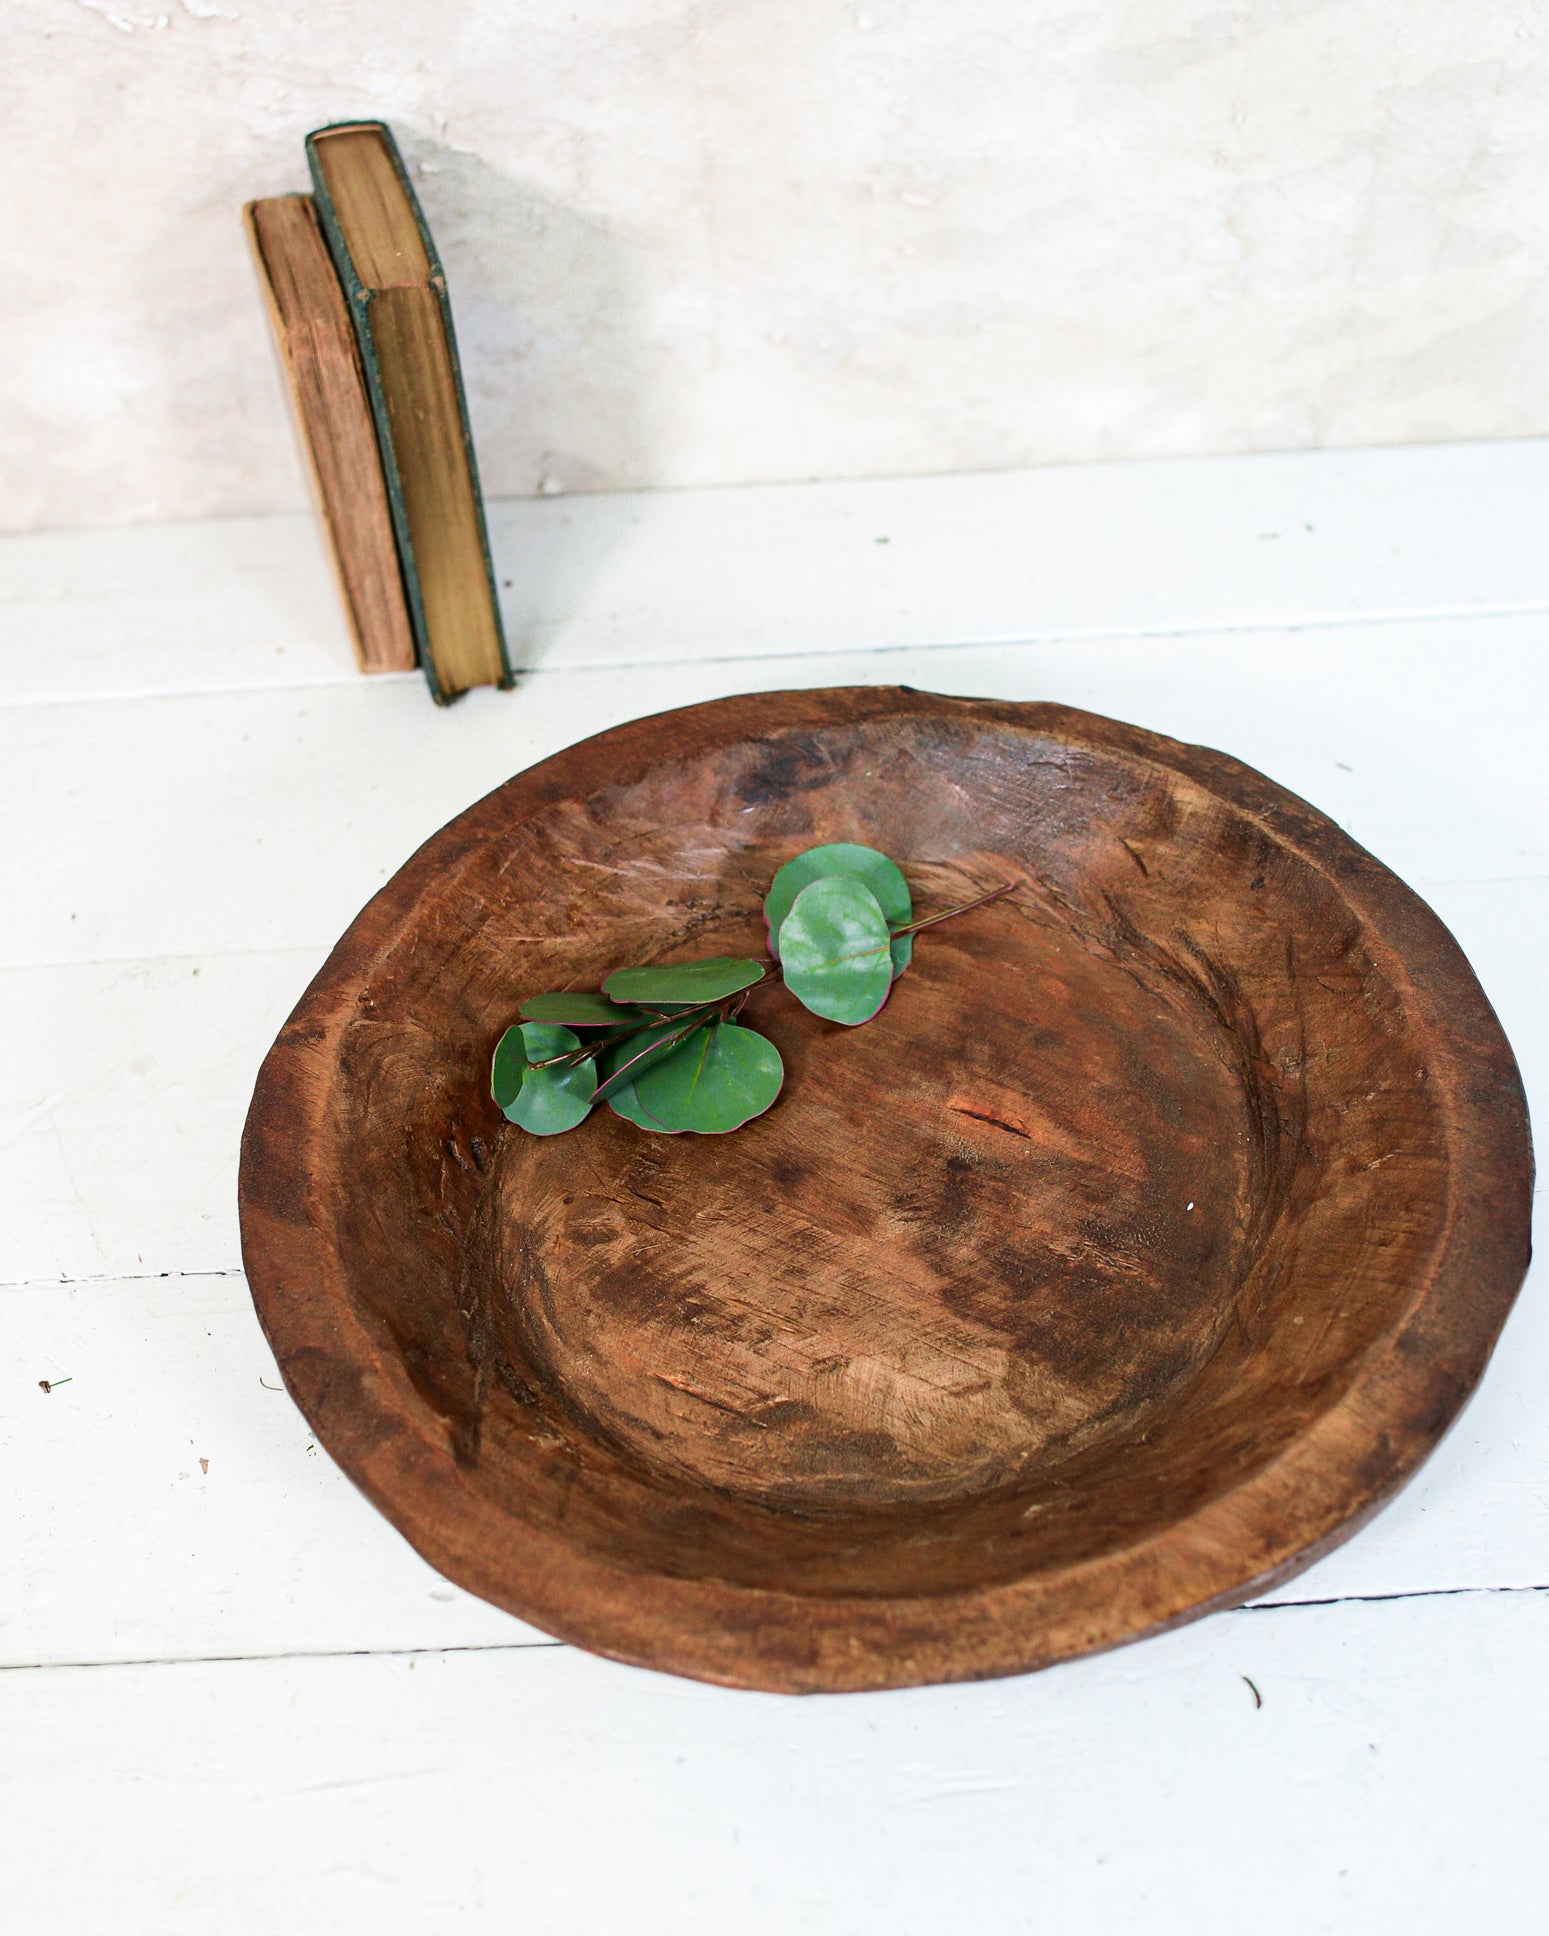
699	243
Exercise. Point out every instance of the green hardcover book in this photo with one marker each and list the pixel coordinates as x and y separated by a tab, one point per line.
398	303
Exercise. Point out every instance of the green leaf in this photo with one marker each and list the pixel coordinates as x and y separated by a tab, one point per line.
578	1009
834	950
626	1103
716	1081
508	1068
866	864
631	1057
684	982
545	1101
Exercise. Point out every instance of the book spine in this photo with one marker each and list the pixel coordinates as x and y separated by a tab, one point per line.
360	295
438	283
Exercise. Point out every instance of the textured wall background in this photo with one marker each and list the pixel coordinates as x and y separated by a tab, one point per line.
697	241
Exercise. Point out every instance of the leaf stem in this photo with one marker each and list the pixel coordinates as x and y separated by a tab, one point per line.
573	1058
914	927
621	1074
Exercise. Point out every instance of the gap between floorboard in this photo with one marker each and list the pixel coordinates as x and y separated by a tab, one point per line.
543	1645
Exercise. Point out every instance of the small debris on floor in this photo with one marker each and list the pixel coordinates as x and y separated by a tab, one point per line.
1258	1698
204	1465
48	1384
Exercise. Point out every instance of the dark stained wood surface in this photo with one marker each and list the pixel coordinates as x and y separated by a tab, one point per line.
1137	1251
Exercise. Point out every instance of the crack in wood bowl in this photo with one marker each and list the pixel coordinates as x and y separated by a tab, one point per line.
1138	1250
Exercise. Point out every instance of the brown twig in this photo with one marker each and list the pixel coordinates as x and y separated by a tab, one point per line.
914	927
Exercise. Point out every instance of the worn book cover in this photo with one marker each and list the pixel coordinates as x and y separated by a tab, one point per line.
321	362
396	292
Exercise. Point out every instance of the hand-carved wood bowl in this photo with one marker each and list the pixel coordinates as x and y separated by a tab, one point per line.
1136	1252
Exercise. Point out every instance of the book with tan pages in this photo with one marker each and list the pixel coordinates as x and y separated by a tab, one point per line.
396	294
327	382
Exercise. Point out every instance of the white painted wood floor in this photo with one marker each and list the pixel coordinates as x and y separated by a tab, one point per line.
234	1701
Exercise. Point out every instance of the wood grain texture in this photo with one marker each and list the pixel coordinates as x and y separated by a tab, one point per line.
1139	1250
322	368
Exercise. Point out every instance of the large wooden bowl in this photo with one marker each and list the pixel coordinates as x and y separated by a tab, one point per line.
1138	1250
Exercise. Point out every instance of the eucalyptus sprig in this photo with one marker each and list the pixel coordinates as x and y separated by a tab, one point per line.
663	1045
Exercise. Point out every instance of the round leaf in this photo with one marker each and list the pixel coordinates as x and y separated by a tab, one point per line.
578	1009
834	950
714	1082
626	1103
547	1101
508	1068
684	982
866	864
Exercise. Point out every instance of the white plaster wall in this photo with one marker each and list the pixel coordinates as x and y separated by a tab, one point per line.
694	241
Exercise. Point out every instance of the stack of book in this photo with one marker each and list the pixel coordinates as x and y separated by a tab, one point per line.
358	302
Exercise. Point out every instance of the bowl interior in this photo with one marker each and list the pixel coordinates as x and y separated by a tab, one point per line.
1097	1215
